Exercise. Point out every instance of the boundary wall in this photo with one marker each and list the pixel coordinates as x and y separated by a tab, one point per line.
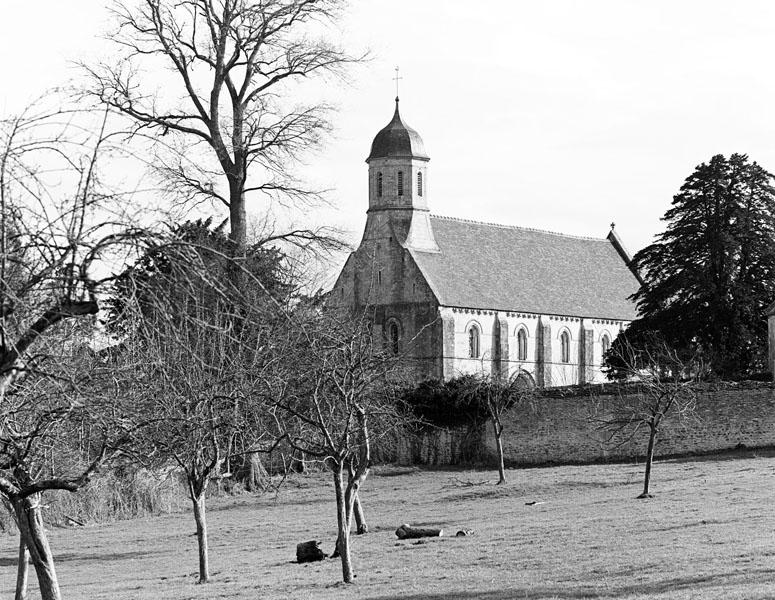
563	427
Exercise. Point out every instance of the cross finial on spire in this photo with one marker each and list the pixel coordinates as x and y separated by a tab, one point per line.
397	78
612	226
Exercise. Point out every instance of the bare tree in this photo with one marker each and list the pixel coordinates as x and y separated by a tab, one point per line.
63	391
200	349
661	392
237	65
58	224
338	391
493	397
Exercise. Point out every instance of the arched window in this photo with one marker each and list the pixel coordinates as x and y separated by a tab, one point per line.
521	345
473	341
379	185
394	335
605	346
419	183
400	183
565	347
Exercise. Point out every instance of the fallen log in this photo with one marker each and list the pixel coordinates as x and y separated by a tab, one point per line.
407	532
309	552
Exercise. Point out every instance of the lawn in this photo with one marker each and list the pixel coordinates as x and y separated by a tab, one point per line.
708	533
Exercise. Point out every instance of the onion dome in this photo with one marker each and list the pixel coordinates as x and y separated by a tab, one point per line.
397	140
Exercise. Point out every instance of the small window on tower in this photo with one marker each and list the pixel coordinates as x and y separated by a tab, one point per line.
400	183
419	183
379	184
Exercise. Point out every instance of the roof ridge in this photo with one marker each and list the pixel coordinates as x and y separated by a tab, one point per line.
535	229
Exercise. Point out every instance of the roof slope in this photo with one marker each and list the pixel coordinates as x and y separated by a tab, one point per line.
512	268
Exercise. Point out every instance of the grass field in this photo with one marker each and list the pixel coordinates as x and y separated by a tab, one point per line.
708	533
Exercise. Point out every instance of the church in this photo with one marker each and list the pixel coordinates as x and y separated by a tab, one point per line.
452	296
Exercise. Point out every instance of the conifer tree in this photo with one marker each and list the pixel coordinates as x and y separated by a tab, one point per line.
710	275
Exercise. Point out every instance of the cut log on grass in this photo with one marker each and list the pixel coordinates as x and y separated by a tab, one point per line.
309	552
464	533
407	532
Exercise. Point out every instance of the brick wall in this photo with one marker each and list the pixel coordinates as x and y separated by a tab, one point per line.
560	428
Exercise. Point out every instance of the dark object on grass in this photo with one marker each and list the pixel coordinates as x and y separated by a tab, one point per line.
464	533
309	552
533	503
406	532
644	496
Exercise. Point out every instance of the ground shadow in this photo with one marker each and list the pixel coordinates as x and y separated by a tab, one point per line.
108	556
646	589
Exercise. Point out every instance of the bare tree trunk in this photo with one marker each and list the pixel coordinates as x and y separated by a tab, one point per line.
201	534
34	536
498	430
299	464
22	570
361	526
237	215
649	460
343	538
257	478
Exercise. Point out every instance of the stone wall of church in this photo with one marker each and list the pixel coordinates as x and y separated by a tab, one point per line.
543	358
382	276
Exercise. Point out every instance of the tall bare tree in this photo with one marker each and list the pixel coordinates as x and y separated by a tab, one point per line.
237	65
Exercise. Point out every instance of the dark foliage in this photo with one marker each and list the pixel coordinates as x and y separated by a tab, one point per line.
445	403
458	402
711	274
213	250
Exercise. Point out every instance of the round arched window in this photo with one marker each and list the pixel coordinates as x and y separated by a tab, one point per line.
393	337
521	345
473	341
605	346
565	347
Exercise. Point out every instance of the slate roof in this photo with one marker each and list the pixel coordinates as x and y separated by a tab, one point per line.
397	139
498	267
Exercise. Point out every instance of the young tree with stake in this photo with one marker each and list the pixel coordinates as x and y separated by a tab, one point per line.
662	392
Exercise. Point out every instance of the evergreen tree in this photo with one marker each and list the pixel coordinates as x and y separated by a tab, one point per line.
710	275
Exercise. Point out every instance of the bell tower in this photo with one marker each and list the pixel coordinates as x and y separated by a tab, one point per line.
398	186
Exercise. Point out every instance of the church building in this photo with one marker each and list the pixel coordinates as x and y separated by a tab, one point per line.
452	296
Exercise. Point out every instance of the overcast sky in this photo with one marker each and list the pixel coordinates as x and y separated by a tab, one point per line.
561	115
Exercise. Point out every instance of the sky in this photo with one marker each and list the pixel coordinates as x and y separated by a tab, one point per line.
561	115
